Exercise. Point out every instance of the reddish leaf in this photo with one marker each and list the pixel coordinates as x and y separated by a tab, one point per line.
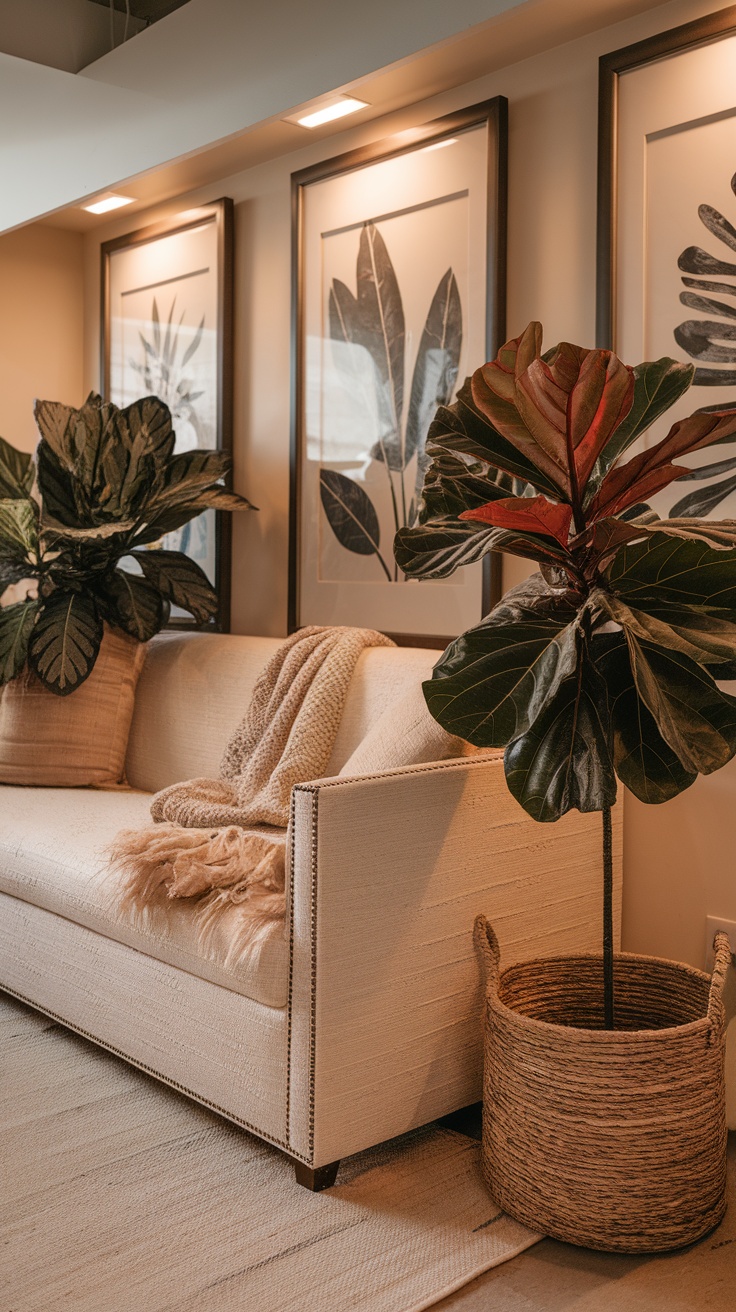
600	401
652	470
527	514
627	484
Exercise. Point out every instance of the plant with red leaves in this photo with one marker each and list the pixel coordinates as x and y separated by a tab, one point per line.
606	663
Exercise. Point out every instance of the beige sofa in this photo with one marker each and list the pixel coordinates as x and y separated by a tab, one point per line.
361	1020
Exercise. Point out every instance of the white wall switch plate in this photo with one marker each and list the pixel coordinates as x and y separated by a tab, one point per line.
712	926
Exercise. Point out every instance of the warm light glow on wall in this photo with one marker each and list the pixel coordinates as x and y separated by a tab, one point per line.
328	112
439	145
108	202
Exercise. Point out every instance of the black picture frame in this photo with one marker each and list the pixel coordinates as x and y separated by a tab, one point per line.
219	213
494	114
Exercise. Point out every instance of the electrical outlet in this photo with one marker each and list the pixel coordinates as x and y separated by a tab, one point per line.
712	926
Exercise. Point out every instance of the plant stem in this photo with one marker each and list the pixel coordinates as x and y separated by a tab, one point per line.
607	919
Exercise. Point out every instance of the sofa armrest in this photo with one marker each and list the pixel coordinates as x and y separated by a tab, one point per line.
387	873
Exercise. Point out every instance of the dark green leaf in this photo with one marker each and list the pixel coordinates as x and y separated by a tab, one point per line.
644	761
16	471
693	715
19	528
181	581
65	641
673	569
438	549
350	513
133	604
702	472
189	474
494	680
58	489
565	759
453	485
709	639
16	624
149	420
461	428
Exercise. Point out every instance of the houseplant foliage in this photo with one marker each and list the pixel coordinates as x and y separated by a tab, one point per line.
81	521
605	664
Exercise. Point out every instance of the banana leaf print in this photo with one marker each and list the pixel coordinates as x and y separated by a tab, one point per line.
711	343
374	320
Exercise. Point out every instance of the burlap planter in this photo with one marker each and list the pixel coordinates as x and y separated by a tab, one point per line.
612	1139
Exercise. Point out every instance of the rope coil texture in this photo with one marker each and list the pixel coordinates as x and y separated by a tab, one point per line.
611	1139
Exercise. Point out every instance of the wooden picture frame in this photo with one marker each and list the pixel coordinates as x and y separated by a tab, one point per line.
180	349
420	227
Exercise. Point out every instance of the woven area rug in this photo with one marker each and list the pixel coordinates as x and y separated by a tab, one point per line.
118	1193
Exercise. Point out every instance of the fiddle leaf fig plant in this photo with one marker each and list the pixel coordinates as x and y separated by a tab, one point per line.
80	523
606	663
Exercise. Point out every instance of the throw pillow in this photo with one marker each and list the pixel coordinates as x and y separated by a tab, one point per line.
406	734
78	740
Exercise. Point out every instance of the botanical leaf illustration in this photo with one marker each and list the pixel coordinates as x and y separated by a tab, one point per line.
435	370
703	500
161	371
703	339
65	641
181	581
351	514
374	320
16	624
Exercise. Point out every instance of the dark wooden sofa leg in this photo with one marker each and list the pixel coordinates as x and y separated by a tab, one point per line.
316	1178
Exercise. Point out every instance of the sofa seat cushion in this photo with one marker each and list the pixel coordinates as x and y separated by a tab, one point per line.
53	844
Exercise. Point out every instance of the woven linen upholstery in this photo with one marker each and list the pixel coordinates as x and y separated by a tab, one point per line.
52	853
381	984
222	1048
77	740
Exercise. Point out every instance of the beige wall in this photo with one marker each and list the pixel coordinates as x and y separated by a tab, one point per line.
41	326
679	864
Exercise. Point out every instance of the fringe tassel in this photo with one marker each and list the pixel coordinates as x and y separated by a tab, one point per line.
232	876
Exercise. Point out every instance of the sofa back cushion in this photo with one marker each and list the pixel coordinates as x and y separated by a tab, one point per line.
195	689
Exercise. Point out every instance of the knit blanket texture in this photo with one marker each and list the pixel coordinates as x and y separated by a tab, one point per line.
222	842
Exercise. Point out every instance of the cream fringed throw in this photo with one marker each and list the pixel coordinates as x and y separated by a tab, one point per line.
204	844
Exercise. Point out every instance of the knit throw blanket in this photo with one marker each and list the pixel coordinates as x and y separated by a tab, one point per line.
204	845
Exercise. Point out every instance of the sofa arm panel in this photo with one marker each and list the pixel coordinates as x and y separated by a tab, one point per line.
387	875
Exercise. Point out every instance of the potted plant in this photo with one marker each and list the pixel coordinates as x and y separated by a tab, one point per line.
605	1122
81	525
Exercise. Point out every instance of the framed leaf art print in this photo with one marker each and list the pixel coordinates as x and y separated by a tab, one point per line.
667	229
398	294
167	331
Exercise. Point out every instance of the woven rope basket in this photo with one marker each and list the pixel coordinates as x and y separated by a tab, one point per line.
612	1139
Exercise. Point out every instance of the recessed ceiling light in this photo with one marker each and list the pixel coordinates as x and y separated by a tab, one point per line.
108	202
333	109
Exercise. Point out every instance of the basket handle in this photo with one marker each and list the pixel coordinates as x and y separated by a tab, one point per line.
722	951
484	937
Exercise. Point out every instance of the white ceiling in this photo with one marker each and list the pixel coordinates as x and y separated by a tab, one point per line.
144	116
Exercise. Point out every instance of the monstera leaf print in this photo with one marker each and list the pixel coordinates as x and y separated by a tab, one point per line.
711	341
374	320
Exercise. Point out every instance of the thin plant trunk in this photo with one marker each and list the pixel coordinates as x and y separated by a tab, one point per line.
607	919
